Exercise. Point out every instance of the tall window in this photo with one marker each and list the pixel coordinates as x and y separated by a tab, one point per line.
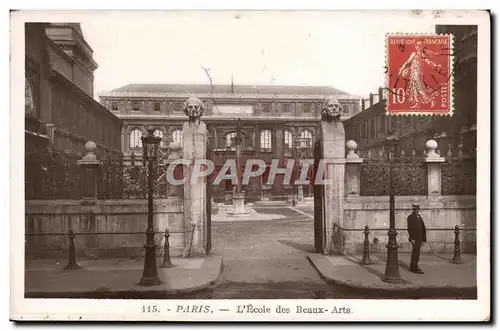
29	103
288	139
230	139
307	107
345	108
177	136
306	134
265	140
177	106
156	106
135	106
266	107
135	138
287	108
114	106
158	133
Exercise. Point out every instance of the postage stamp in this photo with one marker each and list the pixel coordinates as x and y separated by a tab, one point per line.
419	74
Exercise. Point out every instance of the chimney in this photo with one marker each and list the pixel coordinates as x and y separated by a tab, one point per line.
362	103
380	94
371	99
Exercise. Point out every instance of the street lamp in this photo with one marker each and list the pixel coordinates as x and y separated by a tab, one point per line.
302	144
392	265
150	153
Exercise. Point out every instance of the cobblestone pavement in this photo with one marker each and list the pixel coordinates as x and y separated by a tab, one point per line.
267	259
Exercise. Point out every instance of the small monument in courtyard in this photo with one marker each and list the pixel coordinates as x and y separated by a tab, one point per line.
238	196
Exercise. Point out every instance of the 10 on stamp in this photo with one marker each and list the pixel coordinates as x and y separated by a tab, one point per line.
419	74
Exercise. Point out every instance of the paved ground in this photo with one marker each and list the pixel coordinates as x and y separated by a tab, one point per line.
267	259
118	278
261	260
440	279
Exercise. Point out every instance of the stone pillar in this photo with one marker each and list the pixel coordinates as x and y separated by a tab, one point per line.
90	166
433	168
333	146
195	140
353	167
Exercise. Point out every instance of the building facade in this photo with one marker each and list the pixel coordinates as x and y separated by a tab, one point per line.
278	122
60	110
61	114
371	126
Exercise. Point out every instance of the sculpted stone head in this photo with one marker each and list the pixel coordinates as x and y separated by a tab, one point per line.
193	108
332	109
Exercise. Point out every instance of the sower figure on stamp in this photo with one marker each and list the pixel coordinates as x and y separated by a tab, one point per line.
417	235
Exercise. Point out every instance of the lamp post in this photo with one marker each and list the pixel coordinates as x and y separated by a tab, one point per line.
302	144
150	154
392	265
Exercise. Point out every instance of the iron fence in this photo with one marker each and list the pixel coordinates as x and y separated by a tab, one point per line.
51	174
458	173
409	175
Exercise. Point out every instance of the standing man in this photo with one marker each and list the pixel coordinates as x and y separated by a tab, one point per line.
417	235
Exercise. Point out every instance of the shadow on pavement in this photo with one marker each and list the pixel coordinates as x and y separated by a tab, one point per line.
308	248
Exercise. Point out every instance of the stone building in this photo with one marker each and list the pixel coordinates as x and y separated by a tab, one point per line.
60	110
370	127
272	117
61	114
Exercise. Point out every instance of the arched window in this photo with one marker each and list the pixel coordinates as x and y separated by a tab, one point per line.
158	133
288	139
265	140
29	104
135	138
230	139
177	136
305	136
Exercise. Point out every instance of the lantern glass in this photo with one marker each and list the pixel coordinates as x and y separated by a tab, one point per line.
302	143
150	145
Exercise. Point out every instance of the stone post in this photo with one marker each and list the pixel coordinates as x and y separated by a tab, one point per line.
433	168
195	139
90	166
353	167
174	192
333	146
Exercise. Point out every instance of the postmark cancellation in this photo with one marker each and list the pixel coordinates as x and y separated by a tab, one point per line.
419	74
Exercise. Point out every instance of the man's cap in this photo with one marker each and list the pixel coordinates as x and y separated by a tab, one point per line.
415	205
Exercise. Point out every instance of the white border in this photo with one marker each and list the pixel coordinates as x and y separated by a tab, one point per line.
372	310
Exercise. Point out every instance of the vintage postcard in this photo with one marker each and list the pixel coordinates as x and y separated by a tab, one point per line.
200	165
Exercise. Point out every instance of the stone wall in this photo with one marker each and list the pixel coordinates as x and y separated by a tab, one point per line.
105	216
440	215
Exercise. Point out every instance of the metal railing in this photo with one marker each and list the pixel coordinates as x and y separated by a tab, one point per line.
366	243
72	261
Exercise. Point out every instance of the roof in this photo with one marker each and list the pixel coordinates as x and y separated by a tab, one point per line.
244	89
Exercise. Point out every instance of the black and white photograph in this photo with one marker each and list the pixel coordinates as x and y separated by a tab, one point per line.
190	164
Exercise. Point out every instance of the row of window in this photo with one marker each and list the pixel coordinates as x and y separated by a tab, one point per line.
266	107
136	106
367	129
265	138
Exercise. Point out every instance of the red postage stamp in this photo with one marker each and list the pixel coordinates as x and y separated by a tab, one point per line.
419	74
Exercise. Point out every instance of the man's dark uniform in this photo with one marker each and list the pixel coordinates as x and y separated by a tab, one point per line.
417	235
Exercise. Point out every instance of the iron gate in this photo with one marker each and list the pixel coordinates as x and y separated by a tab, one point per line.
208	202
318	199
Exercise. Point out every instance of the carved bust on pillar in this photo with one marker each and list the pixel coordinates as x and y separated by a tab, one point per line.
331	111
193	108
